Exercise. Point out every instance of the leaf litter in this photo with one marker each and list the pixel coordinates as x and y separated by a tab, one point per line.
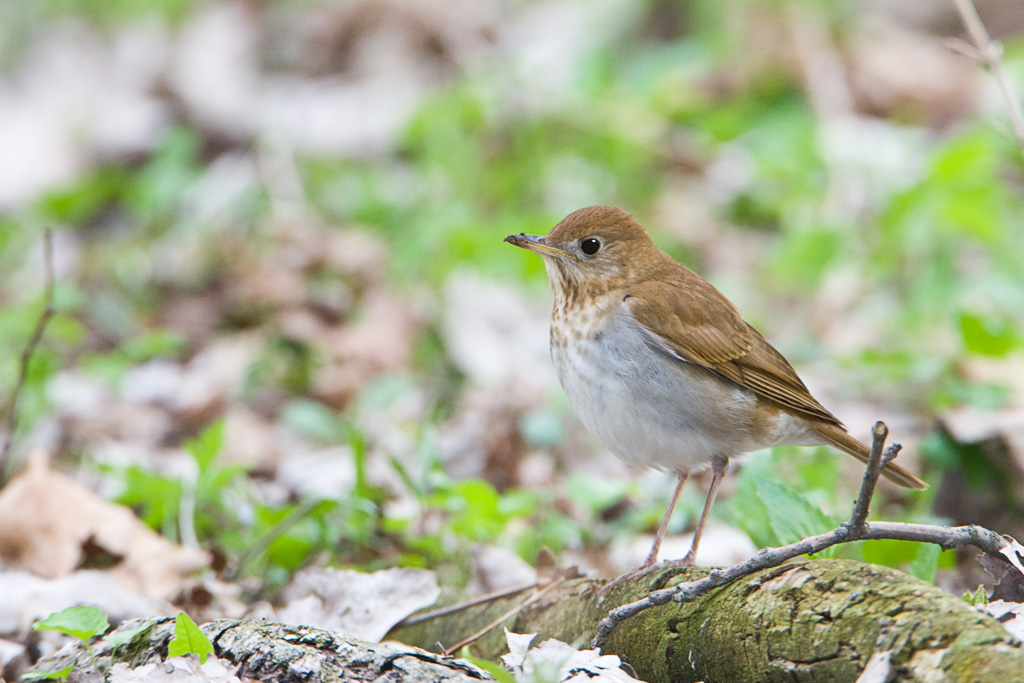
318	85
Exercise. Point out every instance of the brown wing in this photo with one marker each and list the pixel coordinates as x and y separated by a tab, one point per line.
706	329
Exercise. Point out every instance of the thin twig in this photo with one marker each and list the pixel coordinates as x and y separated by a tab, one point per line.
11	409
947	537
857	529
452	609
511	613
874	467
990	55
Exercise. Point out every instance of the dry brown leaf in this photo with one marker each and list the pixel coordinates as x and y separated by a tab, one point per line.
496	338
362	605
496	568
483	440
250	440
359	254
379	341
46	519
328	474
214	377
25	598
13	658
213	68
571	665
973	426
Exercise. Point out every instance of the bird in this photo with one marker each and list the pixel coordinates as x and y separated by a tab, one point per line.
660	367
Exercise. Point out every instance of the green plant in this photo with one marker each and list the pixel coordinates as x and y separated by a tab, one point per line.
82	623
978	597
189	639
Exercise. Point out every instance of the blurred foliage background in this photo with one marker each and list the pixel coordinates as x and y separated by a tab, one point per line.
284	306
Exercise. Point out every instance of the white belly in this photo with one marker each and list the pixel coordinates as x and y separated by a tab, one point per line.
652	409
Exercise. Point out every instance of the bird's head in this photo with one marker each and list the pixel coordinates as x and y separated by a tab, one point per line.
593	249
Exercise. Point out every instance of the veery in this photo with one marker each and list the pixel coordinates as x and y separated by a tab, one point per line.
661	368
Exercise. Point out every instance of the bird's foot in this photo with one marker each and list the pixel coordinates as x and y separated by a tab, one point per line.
647	568
689	560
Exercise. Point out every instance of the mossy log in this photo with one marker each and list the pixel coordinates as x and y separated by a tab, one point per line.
821	620
264	651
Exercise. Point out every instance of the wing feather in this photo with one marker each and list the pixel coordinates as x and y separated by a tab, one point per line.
705	328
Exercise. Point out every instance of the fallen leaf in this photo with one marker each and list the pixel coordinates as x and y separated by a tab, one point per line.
1009	584
363	605
13	656
496	568
250	440
46	519
495	338
25	597
1010	615
571	665
1013	552
378	341
183	669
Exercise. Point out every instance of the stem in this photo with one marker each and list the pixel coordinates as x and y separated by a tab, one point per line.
989	53
11	410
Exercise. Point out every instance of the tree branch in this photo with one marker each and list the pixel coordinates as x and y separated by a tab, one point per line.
857	529
874	468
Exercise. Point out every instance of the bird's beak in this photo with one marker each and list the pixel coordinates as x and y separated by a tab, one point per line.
536	244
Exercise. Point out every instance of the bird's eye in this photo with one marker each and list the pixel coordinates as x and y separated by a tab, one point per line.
590	246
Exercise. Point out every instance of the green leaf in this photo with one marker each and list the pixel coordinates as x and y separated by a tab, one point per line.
988	336
81	202
291	551
791	516
207	446
82	622
189	640
748	510
926	563
500	673
475	509
156	498
153	344
60	675
595	493
315	420
978	597
119	638
890	552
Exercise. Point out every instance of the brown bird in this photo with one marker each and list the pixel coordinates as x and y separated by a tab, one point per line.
661	368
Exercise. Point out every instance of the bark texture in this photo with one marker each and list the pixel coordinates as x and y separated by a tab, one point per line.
276	652
822	620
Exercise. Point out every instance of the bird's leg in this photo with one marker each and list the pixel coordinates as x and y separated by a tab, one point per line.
652	557
718	468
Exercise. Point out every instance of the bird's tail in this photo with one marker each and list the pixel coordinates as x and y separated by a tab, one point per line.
838	437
